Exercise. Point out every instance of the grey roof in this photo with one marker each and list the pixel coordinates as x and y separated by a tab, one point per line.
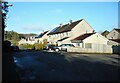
118	30
39	36
64	28
63	38
84	36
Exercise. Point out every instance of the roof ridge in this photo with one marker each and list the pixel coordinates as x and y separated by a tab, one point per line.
66	27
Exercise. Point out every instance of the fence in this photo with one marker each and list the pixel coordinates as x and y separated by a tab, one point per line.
95	48
116	49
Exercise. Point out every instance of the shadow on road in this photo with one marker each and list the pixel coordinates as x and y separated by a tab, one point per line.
51	66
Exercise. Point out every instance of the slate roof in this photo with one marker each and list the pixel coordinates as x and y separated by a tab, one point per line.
115	40
82	37
39	36
118	30
63	39
65	28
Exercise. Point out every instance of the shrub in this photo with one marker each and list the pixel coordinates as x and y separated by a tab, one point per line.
27	46
39	46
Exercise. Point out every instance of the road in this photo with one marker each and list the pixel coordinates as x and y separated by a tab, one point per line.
51	66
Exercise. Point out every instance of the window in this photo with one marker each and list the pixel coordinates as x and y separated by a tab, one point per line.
66	33
88	45
114	33
82	45
78	44
57	35
63	34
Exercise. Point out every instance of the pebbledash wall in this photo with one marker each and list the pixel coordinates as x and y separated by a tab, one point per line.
95	48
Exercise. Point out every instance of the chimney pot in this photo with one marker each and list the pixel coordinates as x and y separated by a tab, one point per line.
70	21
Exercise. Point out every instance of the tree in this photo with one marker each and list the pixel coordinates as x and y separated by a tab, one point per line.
45	41
5	6
21	36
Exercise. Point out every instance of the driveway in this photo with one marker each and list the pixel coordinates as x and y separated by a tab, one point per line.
51	66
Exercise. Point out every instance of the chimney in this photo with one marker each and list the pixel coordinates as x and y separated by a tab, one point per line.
61	25
70	21
42	31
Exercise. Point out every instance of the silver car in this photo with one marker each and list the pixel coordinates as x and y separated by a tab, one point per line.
63	47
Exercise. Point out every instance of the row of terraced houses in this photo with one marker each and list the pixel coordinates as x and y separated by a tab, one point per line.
82	35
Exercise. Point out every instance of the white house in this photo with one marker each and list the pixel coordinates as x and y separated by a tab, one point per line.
114	37
43	36
28	40
86	40
91	43
64	33
114	34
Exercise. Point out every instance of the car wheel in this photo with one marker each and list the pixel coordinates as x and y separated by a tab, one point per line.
56	50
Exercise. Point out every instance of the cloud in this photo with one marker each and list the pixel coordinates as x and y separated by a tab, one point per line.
33	27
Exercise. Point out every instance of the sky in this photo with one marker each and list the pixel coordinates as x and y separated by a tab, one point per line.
35	17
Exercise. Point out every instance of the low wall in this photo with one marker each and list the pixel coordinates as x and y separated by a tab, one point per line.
95	49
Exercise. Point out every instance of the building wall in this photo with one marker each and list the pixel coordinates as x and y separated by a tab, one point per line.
113	35
96	39
81	28
53	38
23	41
41	39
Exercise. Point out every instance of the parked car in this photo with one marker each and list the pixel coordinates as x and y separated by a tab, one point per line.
14	48
49	47
63	47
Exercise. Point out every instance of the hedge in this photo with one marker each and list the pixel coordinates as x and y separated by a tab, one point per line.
39	46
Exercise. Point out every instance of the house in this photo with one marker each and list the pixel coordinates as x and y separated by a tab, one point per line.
64	33
29	39
42	38
91	43
114	34
86	40
22	41
105	33
114	37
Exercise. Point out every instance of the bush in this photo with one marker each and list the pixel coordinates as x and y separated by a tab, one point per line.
27	46
39	46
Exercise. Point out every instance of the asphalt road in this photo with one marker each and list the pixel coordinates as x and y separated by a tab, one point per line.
51	66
